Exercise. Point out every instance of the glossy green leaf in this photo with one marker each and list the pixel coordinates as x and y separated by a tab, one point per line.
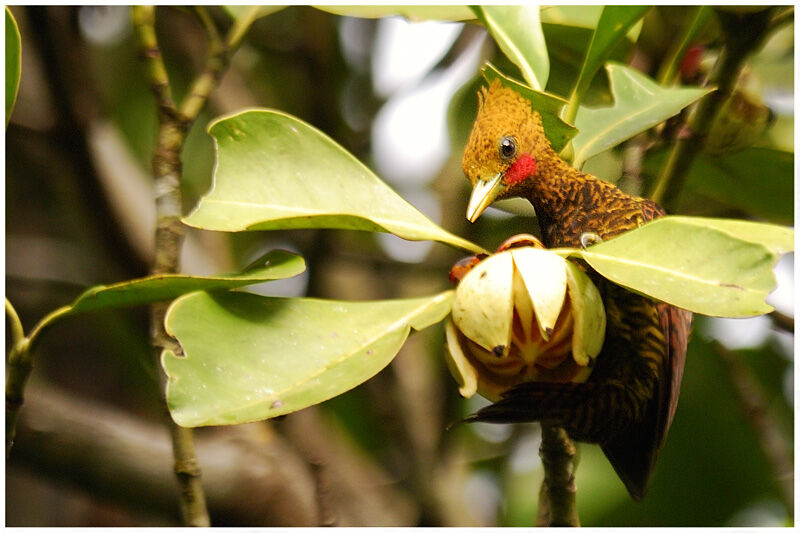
276	264
413	13
568	30
548	105
248	357
757	181
13	62
275	171
639	104
716	267
614	24
518	32
244	11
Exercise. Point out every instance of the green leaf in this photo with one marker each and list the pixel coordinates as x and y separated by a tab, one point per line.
715	267
614	24
518	32
13	62
568	30
758	181
413	13
248	357
639	104
548	105
274	171
276	264
580	17
244	11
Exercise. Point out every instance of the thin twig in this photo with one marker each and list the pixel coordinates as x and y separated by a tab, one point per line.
755	408
743	34
558	458
782	321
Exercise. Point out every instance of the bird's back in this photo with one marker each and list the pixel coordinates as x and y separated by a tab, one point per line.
645	344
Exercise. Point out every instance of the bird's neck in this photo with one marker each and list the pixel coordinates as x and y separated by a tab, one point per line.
562	195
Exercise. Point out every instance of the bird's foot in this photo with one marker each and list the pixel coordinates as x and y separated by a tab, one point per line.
589	238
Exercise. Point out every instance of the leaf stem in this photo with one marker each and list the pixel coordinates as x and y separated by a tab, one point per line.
20	364
17	332
18	369
558	454
45	323
697	22
240	27
743	33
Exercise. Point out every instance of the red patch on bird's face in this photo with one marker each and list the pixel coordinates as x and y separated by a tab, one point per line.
524	166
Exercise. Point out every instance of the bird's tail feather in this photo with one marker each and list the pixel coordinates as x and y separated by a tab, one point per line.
602	413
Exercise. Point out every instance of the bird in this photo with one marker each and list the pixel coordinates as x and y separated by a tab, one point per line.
628	403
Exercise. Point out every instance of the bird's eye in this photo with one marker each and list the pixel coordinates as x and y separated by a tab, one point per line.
508	148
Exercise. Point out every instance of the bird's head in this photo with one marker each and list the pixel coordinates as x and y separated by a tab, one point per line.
506	148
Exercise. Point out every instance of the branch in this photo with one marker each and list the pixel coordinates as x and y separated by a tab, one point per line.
754	407
743	33
782	321
558	488
173	123
252	475
167	172
355	491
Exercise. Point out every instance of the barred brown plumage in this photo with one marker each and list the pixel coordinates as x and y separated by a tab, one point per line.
629	401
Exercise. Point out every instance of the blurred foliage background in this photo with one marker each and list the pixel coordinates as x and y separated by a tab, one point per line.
399	95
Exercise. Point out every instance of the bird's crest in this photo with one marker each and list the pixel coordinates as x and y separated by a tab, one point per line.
501	112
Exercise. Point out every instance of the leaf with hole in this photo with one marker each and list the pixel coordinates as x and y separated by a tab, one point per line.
248	357
275	171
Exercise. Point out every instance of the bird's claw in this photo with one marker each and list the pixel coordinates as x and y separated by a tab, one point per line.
589	238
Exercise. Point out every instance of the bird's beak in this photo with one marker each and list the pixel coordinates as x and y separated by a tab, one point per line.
484	192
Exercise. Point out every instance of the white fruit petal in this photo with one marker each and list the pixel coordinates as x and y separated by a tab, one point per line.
460	367
523	305
483	307
546	282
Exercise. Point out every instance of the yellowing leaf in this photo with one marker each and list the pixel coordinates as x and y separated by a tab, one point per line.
247	357
274	171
